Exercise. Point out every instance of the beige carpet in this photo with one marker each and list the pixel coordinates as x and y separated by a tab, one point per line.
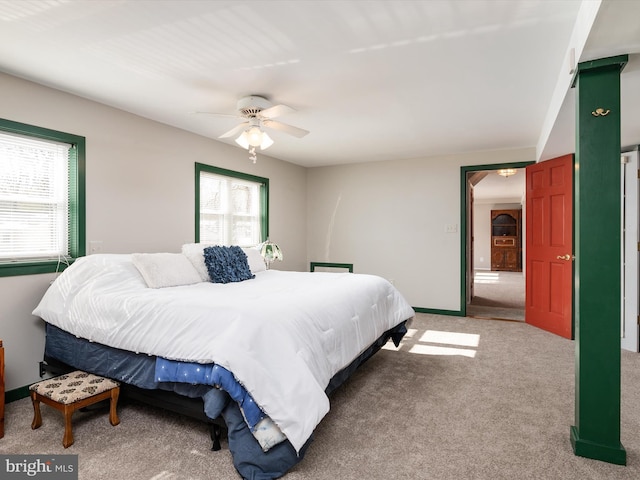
498	295
461	399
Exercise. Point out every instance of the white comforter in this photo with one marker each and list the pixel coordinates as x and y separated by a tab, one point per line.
282	334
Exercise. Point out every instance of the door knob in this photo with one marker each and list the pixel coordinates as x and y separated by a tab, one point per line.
565	257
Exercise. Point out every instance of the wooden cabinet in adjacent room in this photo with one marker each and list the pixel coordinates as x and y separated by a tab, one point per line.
506	240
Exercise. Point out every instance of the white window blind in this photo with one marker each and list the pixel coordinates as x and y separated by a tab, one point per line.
229	210
34	205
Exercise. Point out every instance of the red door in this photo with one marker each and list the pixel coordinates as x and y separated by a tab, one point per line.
549	243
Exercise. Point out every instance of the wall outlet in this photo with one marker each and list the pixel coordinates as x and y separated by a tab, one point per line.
95	246
451	228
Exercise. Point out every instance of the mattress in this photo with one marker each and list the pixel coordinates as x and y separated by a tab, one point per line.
283	335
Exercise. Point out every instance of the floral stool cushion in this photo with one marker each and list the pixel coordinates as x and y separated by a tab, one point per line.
74	386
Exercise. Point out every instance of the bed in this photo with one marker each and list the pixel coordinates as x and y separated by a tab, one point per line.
260	348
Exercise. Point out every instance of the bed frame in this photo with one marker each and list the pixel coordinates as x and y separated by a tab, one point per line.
171	401
194	407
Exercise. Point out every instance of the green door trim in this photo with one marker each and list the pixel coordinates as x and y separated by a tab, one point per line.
463	221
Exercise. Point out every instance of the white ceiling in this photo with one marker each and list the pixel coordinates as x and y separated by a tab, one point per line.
371	80
497	189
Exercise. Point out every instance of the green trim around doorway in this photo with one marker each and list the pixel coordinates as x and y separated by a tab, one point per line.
463	221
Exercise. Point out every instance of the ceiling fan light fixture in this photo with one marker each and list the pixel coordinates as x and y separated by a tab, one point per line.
243	141
254	137
266	141
259	113
507	172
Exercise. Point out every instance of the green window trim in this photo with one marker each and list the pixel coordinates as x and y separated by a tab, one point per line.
77	199
264	195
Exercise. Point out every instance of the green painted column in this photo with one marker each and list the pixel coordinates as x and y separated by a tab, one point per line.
596	433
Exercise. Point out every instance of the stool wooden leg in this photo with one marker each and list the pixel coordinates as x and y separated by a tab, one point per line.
113	414
67	441
37	418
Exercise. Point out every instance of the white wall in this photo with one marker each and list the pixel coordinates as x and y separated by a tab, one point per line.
140	198
482	230
388	218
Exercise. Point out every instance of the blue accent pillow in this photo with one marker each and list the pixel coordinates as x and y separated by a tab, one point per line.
227	264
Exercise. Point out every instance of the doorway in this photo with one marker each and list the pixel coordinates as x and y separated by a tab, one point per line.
490	290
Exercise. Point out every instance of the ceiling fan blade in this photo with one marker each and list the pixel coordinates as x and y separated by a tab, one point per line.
283	127
275	111
235	130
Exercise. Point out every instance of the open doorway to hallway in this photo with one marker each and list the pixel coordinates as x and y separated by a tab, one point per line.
497	295
495	246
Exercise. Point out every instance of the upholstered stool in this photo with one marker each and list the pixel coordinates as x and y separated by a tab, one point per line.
70	392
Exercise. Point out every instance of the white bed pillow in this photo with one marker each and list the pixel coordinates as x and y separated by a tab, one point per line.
195	253
161	270
256	262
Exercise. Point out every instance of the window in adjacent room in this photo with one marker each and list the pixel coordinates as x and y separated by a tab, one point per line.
231	207
42	199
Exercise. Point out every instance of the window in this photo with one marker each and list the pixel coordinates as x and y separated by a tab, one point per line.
42	199
231	207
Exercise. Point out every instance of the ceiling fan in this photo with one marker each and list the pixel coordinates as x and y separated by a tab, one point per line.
258	113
